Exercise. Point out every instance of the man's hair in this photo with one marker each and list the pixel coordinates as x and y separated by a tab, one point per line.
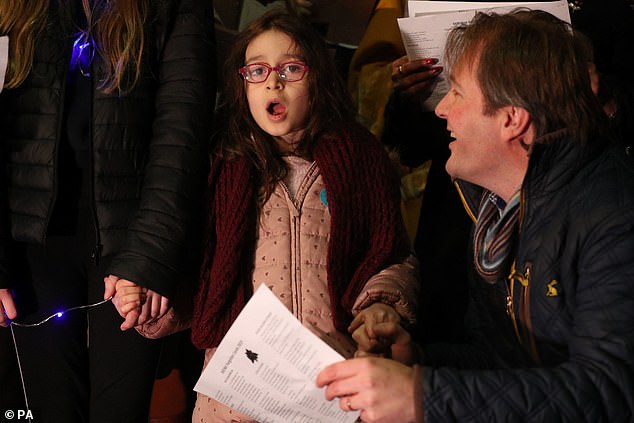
533	60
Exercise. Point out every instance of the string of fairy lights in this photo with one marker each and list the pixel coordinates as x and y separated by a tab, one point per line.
58	315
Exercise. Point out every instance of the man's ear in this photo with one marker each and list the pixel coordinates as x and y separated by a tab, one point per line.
517	125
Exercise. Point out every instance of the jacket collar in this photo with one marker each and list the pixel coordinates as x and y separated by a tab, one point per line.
555	159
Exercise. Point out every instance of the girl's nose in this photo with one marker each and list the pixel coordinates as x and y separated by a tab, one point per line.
274	81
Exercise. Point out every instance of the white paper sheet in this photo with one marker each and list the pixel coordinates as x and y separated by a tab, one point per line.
4	58
267	364
426	7
425	34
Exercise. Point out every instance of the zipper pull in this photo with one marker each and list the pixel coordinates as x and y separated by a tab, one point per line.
521	278
96	253
509	305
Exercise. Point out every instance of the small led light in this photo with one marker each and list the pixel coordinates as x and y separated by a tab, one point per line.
60	314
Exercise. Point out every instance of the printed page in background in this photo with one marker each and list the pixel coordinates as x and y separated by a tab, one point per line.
426	7
267	364
4	58
425	35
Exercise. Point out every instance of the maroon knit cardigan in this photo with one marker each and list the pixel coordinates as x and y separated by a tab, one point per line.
366	230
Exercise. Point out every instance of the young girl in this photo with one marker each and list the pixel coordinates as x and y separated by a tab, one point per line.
302	199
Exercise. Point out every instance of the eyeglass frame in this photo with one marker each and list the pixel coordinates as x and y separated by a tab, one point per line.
243	70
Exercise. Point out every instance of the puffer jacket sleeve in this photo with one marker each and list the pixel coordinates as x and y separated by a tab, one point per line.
5	233
397	285
595	383
175	172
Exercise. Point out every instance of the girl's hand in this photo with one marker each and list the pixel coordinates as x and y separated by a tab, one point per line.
137	305
364	329
128	296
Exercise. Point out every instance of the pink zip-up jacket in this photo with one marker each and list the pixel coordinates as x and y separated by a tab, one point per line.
290	258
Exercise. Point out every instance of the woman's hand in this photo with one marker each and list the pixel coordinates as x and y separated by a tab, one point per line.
415	79
128	296
8	311
152	308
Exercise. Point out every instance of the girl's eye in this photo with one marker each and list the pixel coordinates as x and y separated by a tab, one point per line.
293	68
257	70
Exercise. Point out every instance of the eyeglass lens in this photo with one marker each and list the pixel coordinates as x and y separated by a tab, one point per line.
259	72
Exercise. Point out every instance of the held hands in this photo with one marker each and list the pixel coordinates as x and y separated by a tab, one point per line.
8	311
415	79
377	332
136	304
382	389
364	329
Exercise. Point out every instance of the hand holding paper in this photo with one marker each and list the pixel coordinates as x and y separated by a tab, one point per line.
424	33
267	364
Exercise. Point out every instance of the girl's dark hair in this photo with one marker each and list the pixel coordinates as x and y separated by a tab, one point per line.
330	102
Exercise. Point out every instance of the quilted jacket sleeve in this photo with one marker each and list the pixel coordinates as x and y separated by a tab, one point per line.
595	383
397	285
175	172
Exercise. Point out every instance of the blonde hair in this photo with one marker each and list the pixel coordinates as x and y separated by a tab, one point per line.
22	20
116	26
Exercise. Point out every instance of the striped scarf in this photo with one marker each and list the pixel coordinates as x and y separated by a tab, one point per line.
495	233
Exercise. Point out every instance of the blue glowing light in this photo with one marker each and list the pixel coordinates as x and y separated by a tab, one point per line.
83	53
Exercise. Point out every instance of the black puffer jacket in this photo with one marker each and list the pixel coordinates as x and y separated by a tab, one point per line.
148	148
572	357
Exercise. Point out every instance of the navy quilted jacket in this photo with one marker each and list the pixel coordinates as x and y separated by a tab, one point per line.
148	147
566	351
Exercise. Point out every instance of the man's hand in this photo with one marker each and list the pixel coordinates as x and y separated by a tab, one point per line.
382	389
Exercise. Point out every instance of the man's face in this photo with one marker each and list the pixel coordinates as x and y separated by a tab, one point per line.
475	151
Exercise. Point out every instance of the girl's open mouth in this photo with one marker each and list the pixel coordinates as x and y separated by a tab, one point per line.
275	108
